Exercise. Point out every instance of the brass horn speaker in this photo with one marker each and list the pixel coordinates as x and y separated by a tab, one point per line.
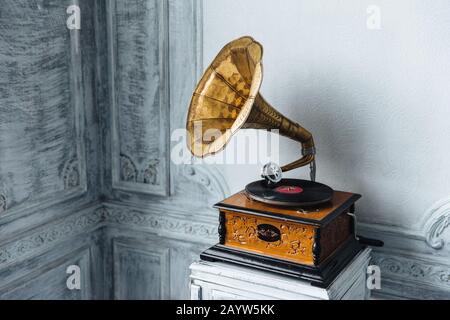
227	99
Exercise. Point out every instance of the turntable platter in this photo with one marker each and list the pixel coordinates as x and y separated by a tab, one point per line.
290	193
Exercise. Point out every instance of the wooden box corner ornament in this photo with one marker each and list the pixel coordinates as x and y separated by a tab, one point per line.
313	245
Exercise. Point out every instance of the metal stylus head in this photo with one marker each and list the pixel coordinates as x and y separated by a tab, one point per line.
272	174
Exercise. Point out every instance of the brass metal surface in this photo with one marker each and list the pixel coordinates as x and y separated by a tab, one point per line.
227	99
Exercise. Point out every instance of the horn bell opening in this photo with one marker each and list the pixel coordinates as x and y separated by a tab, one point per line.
224	97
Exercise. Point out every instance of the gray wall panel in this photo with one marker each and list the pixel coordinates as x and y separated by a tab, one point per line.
42	156
146	265
138	60
140	271
49	157
49	281
154	59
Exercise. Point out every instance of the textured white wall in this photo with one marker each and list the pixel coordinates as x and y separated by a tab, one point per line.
377	102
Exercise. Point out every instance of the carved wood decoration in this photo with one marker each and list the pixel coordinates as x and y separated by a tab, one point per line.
290	241
139	89
287	234
41	106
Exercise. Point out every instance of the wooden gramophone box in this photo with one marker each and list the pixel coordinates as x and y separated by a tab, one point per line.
313	244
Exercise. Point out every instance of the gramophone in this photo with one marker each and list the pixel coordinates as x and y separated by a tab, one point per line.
299	228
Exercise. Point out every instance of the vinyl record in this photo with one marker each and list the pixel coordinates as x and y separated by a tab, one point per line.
291	193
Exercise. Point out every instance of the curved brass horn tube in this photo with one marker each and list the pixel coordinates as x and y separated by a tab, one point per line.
264	116
227	99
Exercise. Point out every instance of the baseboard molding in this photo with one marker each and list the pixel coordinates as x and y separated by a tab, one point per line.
165	221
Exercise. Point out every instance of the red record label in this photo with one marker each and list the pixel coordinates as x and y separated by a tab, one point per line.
289	190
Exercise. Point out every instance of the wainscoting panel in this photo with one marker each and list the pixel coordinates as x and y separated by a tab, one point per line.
148	252
149	266
44	276
41	106
49	281
140	272
152	46
138	36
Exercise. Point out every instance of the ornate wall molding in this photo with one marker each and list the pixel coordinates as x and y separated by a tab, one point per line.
412	269
175	227
71	174
207	178
3	203
402	273
128	170
432	230
50	235
437	220
149	174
